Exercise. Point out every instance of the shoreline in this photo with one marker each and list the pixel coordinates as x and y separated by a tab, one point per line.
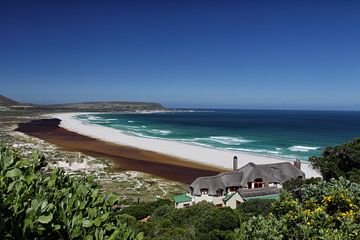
123	157
255	154
192	154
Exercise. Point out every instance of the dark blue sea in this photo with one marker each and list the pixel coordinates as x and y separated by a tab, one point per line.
284	133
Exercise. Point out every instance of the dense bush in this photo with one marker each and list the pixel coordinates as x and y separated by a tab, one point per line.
294	186
35	204
340	161
326	210
39	205
201	221
143	210
256	207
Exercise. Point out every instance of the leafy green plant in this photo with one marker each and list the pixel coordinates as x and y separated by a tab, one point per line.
326	210
35	204
198	222
256	207
143	210
340	161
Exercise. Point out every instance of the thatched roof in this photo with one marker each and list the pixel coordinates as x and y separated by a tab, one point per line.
277	172
255	192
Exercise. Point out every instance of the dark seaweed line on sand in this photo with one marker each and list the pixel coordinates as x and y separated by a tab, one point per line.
124	157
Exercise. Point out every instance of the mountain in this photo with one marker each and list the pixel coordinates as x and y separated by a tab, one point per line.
86	106
6	102
109	106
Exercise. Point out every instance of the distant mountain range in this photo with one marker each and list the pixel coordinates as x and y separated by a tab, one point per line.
5	102
8	103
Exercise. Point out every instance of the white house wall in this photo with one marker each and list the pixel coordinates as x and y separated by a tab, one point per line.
232	201
211	199
182	205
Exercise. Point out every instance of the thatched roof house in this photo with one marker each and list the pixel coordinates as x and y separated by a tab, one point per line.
250	176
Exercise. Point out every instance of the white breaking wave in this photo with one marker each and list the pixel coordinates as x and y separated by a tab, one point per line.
135	128
255	150
99	121
130	121
302	148
158	131
228	140
200	144
93	117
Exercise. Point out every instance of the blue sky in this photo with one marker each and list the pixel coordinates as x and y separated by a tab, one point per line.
236	54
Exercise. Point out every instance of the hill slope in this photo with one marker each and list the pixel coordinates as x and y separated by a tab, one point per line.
4	101
86	106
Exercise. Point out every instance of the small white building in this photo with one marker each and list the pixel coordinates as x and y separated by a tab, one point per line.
183	201
231	200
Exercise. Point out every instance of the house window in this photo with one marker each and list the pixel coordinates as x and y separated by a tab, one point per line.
186	205
249	185
219	192
219	205
233	188
258	183
204	191
191	191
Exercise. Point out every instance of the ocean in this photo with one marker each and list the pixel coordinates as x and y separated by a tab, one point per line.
280	133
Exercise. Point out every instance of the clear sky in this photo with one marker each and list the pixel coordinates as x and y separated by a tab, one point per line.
238	54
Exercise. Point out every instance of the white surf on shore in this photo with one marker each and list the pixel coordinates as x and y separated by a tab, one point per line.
187	152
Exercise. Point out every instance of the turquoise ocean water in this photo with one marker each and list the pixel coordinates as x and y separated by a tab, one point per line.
290	134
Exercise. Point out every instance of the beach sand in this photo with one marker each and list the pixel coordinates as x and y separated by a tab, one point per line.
185	154
124	157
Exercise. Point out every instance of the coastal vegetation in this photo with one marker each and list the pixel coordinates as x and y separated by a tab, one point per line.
307	209
326	210
41	202
340	161
128	185
35	204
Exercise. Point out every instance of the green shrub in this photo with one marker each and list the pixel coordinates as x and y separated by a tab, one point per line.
39	205
129	220
161	211
202	221
326	210
256	207
143	210
340	161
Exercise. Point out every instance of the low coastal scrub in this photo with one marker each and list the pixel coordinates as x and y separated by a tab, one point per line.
202	221
38	204
35	204
326	210
143	210
340	161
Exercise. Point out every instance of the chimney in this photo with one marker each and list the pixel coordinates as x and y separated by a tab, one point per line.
235	163
297	164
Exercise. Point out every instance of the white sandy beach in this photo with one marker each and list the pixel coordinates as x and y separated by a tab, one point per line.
188	152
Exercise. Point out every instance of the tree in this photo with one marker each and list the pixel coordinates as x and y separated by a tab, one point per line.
340	161
294	185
